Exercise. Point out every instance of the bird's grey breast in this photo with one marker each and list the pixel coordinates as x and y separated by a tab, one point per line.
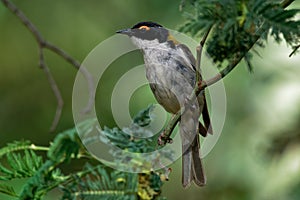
170	78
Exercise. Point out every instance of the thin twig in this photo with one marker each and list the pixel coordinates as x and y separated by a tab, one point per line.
181	5
286	3
221	74
41	42
295	50
44	44
24	20
238	58
199	50
82	69
164	137
54	88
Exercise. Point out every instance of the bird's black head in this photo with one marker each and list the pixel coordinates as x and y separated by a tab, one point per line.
147	31
146	24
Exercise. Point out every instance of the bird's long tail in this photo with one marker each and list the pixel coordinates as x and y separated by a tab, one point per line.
192	169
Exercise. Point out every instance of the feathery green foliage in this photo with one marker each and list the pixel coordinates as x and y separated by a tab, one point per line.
20	160
124	139
65	146
15	146
9	190
102	183
132	142
238	24
21	165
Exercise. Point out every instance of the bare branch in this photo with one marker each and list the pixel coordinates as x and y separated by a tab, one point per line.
295	50
24	20
82	69
286	3
165	135
220	75
199	50
54	88
44	44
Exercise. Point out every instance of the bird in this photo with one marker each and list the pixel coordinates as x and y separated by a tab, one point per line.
171	72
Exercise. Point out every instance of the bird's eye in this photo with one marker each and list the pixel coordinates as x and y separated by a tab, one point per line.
145	28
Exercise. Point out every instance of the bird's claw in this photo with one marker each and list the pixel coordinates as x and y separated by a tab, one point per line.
163	139
199	84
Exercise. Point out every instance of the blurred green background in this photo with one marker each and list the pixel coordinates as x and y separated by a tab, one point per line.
258	153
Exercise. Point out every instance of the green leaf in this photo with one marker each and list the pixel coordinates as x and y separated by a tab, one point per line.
45	179
8	190
102	183
143	118
238	24
15	146
65	145
20	165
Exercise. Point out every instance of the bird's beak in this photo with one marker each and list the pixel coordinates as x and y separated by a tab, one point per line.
125	31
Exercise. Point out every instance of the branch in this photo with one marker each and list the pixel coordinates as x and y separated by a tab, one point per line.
286	3
82	69
295	50
165	135
44	44
199	50
238	58
54	88
221	74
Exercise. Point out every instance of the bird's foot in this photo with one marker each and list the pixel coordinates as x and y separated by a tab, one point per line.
163	139
199	84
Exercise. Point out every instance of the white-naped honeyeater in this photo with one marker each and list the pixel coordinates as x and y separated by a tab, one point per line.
170	70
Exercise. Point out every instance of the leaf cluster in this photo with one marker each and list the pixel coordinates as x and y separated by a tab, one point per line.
131	144
100	182
42	167
104	183
238	24
135	138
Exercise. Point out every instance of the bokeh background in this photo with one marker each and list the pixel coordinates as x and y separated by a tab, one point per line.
258	153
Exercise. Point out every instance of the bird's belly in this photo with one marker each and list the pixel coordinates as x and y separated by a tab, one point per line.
169	86
166	98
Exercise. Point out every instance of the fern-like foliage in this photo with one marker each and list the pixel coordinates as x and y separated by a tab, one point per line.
8	190
102	183
14	146
124	138
20	160
20	165
238	24
44	180
65	146
134	148
98	182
